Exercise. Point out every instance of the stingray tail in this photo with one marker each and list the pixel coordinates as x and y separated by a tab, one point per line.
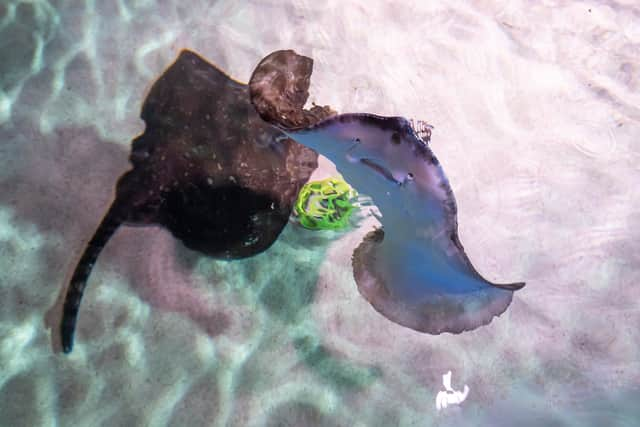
103	233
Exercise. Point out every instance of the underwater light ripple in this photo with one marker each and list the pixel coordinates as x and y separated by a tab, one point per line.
531	37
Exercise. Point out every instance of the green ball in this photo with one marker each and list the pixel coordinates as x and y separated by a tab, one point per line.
326	204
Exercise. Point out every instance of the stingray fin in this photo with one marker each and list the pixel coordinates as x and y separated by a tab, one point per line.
464	259
428	309
279	88
109	224
508	286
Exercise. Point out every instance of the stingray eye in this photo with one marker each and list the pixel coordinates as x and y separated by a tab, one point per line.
395	138
410	176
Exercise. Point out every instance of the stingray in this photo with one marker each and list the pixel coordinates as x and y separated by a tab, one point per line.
207	168
413	270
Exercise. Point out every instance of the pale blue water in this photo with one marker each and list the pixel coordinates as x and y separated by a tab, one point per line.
535	109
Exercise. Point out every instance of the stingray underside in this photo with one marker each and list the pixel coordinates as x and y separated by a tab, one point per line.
420	280
431	311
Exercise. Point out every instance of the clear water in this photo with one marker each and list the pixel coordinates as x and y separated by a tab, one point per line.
537	124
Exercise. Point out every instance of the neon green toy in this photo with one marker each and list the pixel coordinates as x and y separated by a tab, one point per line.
326	204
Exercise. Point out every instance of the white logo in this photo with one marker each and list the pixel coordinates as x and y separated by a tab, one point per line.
450	396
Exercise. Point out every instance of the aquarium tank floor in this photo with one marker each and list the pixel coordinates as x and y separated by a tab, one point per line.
536	120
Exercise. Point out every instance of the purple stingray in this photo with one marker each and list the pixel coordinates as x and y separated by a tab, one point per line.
413	270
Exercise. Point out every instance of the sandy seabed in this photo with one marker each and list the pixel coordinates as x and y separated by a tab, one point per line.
537	124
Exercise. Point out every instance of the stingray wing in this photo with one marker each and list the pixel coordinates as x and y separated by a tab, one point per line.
416	287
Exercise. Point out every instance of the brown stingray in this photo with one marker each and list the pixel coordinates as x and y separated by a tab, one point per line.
207	168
